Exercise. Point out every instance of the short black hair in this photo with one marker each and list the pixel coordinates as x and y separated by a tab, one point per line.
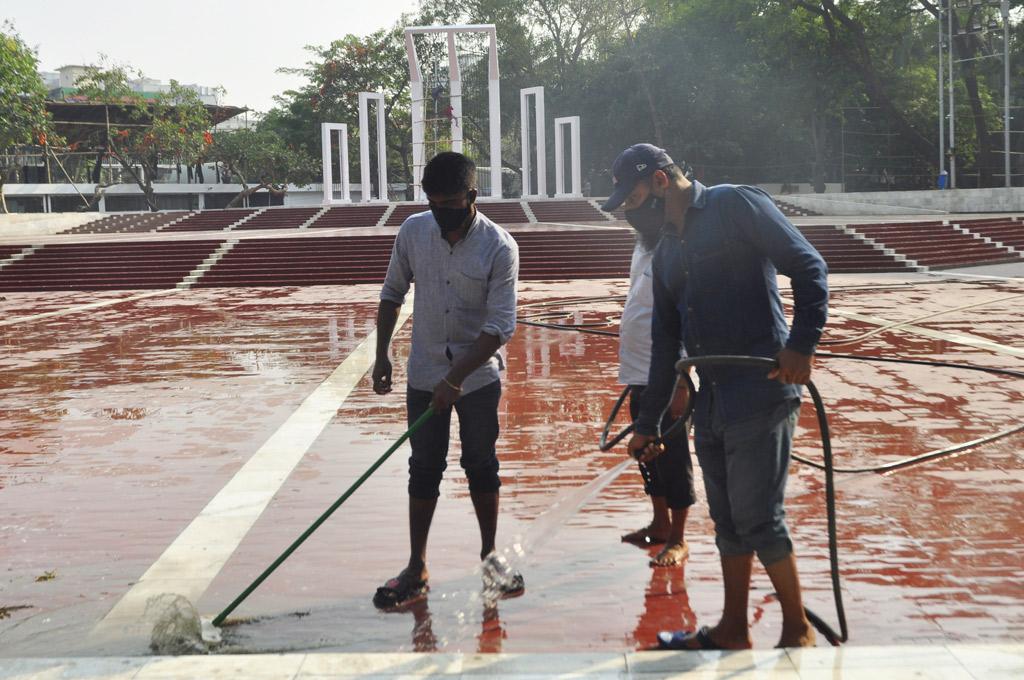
449	173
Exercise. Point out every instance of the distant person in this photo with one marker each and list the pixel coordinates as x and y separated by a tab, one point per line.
715	290
464	310
668	479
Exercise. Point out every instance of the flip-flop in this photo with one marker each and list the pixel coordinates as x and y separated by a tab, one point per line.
680	639
398	591
679	560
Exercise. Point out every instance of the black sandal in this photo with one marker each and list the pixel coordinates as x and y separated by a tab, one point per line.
400	590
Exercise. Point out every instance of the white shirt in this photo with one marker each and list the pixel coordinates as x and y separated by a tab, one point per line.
635	326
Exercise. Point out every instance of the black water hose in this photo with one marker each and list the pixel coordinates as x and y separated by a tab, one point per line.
683	369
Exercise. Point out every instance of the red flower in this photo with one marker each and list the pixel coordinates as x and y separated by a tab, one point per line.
207	138
42	139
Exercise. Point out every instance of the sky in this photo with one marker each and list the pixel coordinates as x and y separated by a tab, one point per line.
237	46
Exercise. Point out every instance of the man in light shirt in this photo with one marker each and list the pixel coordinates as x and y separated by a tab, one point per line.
464	310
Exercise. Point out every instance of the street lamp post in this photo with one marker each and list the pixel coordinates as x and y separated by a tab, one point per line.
942	112
952	109
1004	7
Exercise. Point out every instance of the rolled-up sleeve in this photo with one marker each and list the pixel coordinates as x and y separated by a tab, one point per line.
399	276
501	292
764	224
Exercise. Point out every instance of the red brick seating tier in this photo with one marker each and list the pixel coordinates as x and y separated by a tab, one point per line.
350	216
561	211
403	211
280	218
9	251
1005	230
106	266
123	223
845	254
599	253
934	244
503	212
309	261
210	220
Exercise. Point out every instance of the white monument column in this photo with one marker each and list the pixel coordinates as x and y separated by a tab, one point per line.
326	129
524	117
573	123
364	147
455	90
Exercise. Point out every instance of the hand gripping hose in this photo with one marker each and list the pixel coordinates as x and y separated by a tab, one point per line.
323	518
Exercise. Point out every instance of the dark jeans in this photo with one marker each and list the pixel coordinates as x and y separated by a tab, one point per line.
671	474
745	466
478	432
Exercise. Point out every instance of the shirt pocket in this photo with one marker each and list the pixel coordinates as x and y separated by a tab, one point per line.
470	288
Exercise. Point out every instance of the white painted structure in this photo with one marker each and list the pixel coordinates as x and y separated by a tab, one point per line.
364	148
524	120
455	93
573	123
326	130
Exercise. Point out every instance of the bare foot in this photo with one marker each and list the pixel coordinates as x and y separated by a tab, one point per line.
805	637
646	536
672	554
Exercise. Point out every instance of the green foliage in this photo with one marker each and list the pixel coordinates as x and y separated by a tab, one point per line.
335	75
260	155
23	116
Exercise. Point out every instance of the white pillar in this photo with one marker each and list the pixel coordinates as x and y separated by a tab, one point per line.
455	93
573	123
494	111
418	111
326	129
364	147
524	117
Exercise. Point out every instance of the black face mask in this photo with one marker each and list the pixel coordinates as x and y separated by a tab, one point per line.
450	219
648	219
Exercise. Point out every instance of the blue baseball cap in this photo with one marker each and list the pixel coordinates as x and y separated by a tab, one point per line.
633	164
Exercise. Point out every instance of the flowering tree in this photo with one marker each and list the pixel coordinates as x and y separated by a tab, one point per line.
172	127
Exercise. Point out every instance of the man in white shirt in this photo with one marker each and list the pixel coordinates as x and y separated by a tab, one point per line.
668	479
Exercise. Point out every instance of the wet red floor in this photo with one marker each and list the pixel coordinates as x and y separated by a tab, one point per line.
117	425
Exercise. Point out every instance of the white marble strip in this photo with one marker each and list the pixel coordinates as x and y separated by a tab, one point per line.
998	661
193	560
86	307
957	338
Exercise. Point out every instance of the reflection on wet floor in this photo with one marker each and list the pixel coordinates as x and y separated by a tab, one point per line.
117	426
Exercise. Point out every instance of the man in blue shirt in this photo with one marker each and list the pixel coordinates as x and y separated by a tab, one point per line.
715	290
464	310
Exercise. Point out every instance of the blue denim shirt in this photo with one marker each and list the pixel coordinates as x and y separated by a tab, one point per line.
715	290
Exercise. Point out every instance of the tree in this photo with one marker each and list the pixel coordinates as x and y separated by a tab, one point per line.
23	115
259	155
335	75
172	127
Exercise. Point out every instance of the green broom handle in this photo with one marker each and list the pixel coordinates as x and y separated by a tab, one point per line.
323	518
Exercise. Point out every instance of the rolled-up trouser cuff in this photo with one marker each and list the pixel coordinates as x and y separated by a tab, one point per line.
478	433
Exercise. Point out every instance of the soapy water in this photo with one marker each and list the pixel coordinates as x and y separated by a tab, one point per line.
469	601
177	627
